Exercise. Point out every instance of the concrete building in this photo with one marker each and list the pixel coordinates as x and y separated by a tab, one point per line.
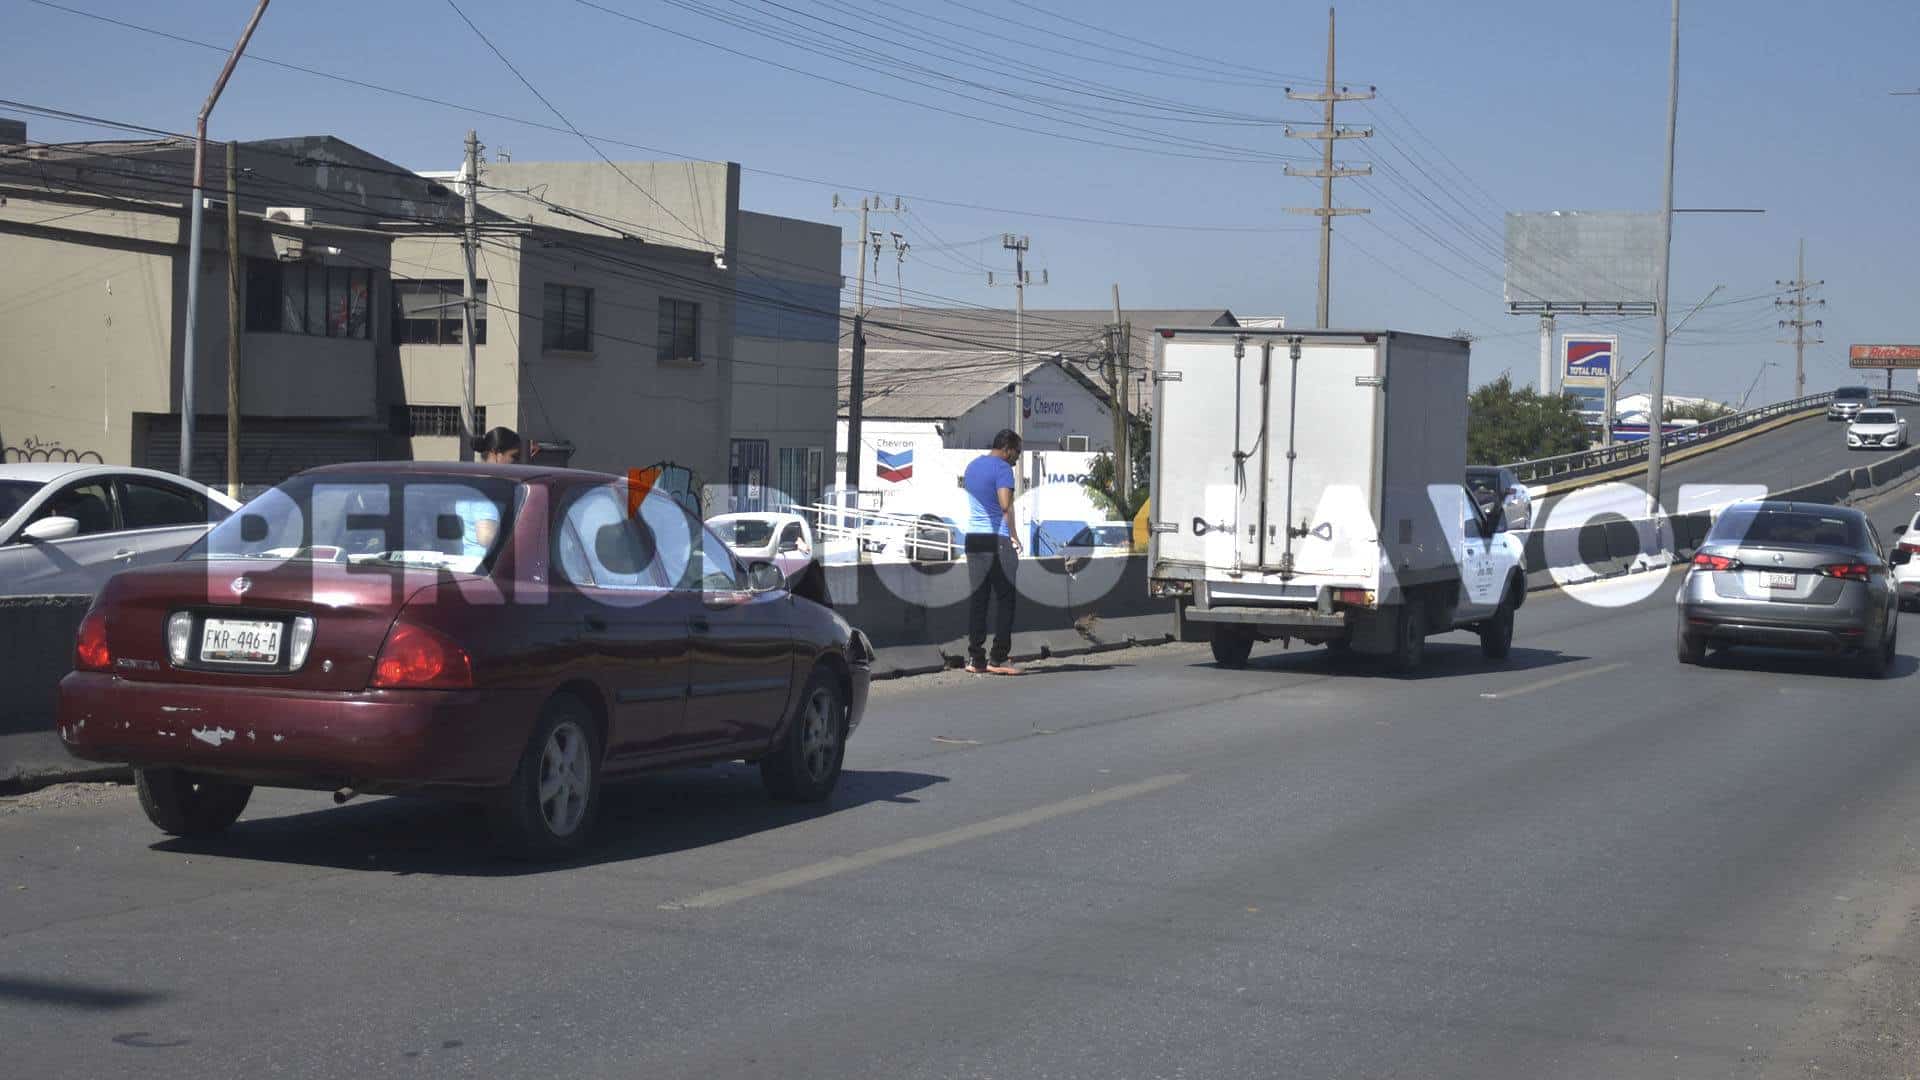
633	316
639	317
93	284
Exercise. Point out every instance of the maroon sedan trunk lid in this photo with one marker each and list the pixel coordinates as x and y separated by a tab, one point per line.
351	609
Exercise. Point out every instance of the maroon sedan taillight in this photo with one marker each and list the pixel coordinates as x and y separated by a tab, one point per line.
90	652
416	657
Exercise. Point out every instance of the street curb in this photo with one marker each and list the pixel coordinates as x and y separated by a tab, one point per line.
35	759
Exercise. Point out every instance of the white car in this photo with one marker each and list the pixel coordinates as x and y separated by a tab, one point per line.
785	540
66	529
1877	428
1906	572
1100	539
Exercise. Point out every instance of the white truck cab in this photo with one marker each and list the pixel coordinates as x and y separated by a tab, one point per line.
1310	484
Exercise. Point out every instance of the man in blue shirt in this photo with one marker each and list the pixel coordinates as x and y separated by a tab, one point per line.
993	551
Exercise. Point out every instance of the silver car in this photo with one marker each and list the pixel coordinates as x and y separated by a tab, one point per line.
66	529
1849	400
1793	576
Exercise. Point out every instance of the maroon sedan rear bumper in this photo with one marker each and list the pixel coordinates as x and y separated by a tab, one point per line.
373	741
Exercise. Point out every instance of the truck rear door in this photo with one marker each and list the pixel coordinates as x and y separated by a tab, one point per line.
1307	503
1197	408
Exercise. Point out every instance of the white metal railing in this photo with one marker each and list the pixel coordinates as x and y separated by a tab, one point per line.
911	536
1580	462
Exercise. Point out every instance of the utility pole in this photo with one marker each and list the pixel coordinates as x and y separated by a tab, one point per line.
1657	400
1120	346
1021	279
1328	172
233	321
857	388
469	244
196	210
1799	323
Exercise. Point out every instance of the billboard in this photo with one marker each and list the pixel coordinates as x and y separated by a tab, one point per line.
1587	359
1884	356
1566	261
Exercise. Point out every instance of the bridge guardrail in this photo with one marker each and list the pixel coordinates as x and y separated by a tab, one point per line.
1581	462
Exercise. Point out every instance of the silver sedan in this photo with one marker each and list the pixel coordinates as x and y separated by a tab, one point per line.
1793	576
66	529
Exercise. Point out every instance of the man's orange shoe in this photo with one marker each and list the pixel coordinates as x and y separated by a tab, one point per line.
1002	669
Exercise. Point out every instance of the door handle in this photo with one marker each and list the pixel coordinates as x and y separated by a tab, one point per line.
124	553
595	622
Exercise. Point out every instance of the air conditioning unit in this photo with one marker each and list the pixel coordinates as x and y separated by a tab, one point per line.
1076	444
286	247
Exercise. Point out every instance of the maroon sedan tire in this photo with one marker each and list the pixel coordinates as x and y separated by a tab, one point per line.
805	764
549	807
184	804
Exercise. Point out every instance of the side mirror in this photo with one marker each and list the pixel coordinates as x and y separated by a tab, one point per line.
1898	529
1900	557
763	576
51	528
449	527
253	528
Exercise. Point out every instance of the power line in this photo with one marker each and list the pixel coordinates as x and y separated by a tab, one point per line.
562	117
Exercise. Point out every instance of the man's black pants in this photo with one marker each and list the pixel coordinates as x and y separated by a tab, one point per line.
990	568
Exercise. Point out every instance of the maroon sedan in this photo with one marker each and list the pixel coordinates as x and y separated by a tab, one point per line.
511	633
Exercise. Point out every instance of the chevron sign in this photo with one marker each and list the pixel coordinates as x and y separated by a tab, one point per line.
894	466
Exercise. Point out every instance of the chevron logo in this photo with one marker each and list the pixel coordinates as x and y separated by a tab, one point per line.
894	466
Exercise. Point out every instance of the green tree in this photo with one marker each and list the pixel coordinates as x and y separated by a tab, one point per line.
1504	424
1099	481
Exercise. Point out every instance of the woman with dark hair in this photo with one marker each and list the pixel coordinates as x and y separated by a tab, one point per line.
501	446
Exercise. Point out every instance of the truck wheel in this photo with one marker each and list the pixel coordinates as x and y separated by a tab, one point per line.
1231	647
183	804
1410	637
1496	634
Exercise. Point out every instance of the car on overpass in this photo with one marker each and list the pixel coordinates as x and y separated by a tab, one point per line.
1849	400
1877	428
505	634
1791	575
66	528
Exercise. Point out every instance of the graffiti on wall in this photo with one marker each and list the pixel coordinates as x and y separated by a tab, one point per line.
34	450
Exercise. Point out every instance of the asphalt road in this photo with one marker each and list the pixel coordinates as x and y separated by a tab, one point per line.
1799	453
1587	862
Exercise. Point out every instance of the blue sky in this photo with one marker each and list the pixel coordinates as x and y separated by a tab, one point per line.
1484	107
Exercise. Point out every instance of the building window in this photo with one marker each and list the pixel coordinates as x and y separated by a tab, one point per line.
303	298
679	339
428	312
566	324
799	476
405	421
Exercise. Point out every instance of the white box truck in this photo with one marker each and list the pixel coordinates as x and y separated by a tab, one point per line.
1310	484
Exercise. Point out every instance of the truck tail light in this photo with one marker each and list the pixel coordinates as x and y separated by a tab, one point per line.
418	658
1353	597
90	652
1850	571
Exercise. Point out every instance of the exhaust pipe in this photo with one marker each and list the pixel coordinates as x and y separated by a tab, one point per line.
341	795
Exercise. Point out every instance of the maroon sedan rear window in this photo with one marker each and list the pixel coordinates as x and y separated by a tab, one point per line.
452	523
